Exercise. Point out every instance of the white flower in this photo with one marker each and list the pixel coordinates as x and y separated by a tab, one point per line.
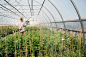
67	39
62	38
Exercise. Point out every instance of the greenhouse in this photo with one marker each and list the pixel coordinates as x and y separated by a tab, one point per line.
42	28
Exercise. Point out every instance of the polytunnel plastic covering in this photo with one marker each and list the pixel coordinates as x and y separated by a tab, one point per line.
80	5
53	11
57	13
66	9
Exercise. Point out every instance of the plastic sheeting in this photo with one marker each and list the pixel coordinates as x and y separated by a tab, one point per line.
44	11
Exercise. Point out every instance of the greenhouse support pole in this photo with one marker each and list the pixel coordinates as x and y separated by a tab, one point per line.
59	14
79	21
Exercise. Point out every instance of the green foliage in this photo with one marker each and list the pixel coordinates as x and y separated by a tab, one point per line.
7	30
67	47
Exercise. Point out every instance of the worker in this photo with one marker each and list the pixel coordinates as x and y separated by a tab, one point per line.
22	26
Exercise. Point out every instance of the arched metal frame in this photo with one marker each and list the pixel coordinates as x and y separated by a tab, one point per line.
46	19
52	15
8	17
59	14
77	14
8	10
79	20
41	7
15	8
3	20
45	14
49	12
42	16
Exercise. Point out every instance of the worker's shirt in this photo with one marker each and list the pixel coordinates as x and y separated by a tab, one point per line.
21	25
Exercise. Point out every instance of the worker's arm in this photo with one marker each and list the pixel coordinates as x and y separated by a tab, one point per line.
24	24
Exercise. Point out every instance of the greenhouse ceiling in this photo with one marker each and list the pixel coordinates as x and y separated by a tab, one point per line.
55	13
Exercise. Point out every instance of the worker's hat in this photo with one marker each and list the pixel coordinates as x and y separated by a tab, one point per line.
20	18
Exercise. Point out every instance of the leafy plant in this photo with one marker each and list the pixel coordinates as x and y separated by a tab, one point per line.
42	42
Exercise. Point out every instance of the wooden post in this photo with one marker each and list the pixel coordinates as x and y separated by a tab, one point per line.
19	44
77	39
62	44
26	44
80	42
51	45
0	38
30	42
6	41
59	42
48	41
72	43
62	49
6	46
70	38
68	44
55	44
40	39
30	46
15	43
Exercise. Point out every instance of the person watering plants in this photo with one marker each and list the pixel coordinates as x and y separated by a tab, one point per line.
22	29
22	26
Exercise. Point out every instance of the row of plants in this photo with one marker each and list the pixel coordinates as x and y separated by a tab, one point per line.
42	42
6	30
